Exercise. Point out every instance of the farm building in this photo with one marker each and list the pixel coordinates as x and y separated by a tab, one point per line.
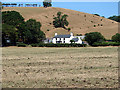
67	38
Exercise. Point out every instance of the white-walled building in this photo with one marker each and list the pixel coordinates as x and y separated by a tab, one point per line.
67	38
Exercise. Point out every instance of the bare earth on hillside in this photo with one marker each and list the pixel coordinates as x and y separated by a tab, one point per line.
79	22
60	67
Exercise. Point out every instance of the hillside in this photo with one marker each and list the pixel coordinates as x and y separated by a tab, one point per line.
79	22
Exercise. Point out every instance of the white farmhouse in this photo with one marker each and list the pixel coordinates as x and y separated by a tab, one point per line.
67	38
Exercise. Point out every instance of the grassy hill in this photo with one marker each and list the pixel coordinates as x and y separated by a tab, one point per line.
79	22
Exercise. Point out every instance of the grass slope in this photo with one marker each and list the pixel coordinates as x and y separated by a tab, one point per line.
79	22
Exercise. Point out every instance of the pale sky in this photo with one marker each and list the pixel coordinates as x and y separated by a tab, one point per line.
61	0
105	8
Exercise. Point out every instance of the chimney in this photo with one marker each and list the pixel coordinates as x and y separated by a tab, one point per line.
71	34
55	34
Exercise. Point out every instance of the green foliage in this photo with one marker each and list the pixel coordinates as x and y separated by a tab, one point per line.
93	37
47	3
79	34
106	44
60	20
58	45
48	30
115	18
97	14
12	18
94	25
30	32
8	33
116	37
21	45
69	29
15	29
72	41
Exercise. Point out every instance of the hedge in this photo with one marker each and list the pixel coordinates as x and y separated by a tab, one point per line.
58	45
106	44
21	45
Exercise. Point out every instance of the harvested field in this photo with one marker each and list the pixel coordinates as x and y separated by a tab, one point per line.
60	67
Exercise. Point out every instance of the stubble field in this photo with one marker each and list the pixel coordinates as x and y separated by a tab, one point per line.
60	67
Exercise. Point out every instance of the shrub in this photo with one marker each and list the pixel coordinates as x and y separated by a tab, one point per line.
79	34
69	29
106	44
116	37
48	30
97	14
94	25
21	45
34	45
46	16
93	37
91	21
58	45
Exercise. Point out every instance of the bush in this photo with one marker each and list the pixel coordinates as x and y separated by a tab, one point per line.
106	44
58	45
93	37
69	29
97	14
116	37
94	25
48	30
34	45
21	45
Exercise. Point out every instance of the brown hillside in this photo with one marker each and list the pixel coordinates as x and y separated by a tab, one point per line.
79	22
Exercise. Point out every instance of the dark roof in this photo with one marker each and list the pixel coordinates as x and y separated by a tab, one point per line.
75	39
62	36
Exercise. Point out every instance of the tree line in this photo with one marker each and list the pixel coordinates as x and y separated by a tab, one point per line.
16	29
94	38
114	17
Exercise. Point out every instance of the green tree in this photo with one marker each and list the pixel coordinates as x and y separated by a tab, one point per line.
116	37
9	33
30	32
97	14
93	37
12	18
72	41
115	18
60	20
47	3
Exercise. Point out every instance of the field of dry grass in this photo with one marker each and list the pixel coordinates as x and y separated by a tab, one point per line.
60	67
79	22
